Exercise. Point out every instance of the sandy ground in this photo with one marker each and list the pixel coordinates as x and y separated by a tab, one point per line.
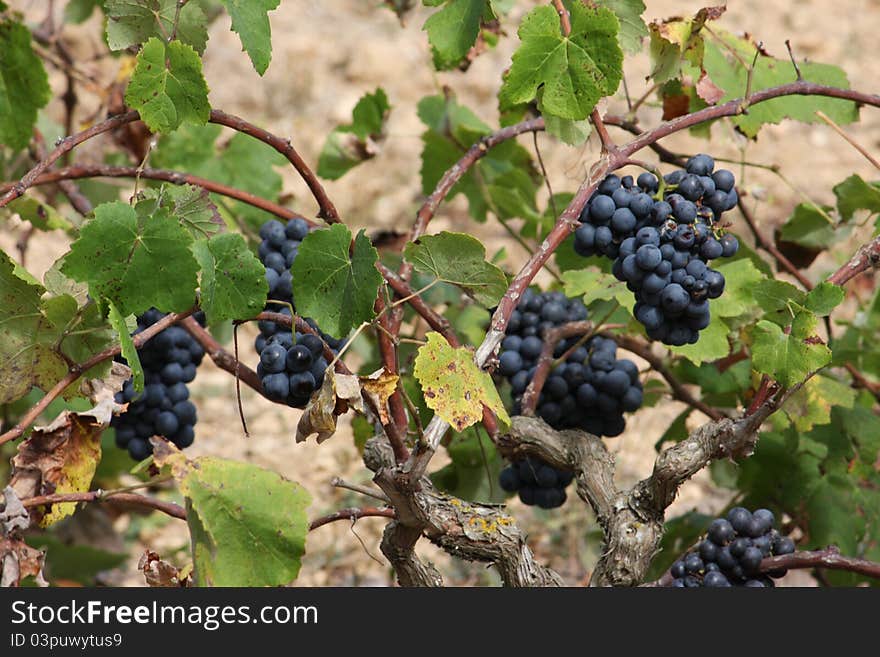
326	54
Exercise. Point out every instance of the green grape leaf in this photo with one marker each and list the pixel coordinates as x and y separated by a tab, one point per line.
593	285
459	259
824	298
24	85
129	352
775	298
233	284
193	208
740	277
133	22
789	358
809	227
632	27
135	263
248	525
453	30
167	86
25	351
573	133
712	345
79	11
856	194
574	71
728	65
812	404
41	215
678	44
334	288
452	129
349	145
35	349
452	384
244	163
250	20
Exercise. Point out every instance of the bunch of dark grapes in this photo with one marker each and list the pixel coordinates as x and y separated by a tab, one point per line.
536	482
590	390
661	244
732	552
169	360
292	364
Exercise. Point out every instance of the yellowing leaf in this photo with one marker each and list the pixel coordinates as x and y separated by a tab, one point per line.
61	458
452	384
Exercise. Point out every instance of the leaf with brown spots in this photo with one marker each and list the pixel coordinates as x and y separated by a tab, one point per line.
453	385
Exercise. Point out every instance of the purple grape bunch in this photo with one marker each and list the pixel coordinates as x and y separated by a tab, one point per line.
662	243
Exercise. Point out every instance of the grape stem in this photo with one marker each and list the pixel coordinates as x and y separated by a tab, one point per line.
552	337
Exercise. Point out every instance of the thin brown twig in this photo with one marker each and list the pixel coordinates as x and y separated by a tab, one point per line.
357	488
829	558
222	358
78	370
64	146
237	372
353	514
168	508
608	144
80	171
327	210
564	18
848	138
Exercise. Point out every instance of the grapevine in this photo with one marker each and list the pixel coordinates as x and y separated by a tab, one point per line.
501	317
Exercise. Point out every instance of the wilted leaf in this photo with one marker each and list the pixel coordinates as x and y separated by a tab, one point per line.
338	393
61	458
378	387
17	561
161	574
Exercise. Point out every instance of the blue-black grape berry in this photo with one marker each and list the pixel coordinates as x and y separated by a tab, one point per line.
732	552
661	244
169	360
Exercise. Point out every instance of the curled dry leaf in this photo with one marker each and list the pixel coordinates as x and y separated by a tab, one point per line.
161	574
61	458
13	516
101	391
378	387
19	560
338	393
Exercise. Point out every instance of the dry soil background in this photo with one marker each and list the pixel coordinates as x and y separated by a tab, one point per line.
326	54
